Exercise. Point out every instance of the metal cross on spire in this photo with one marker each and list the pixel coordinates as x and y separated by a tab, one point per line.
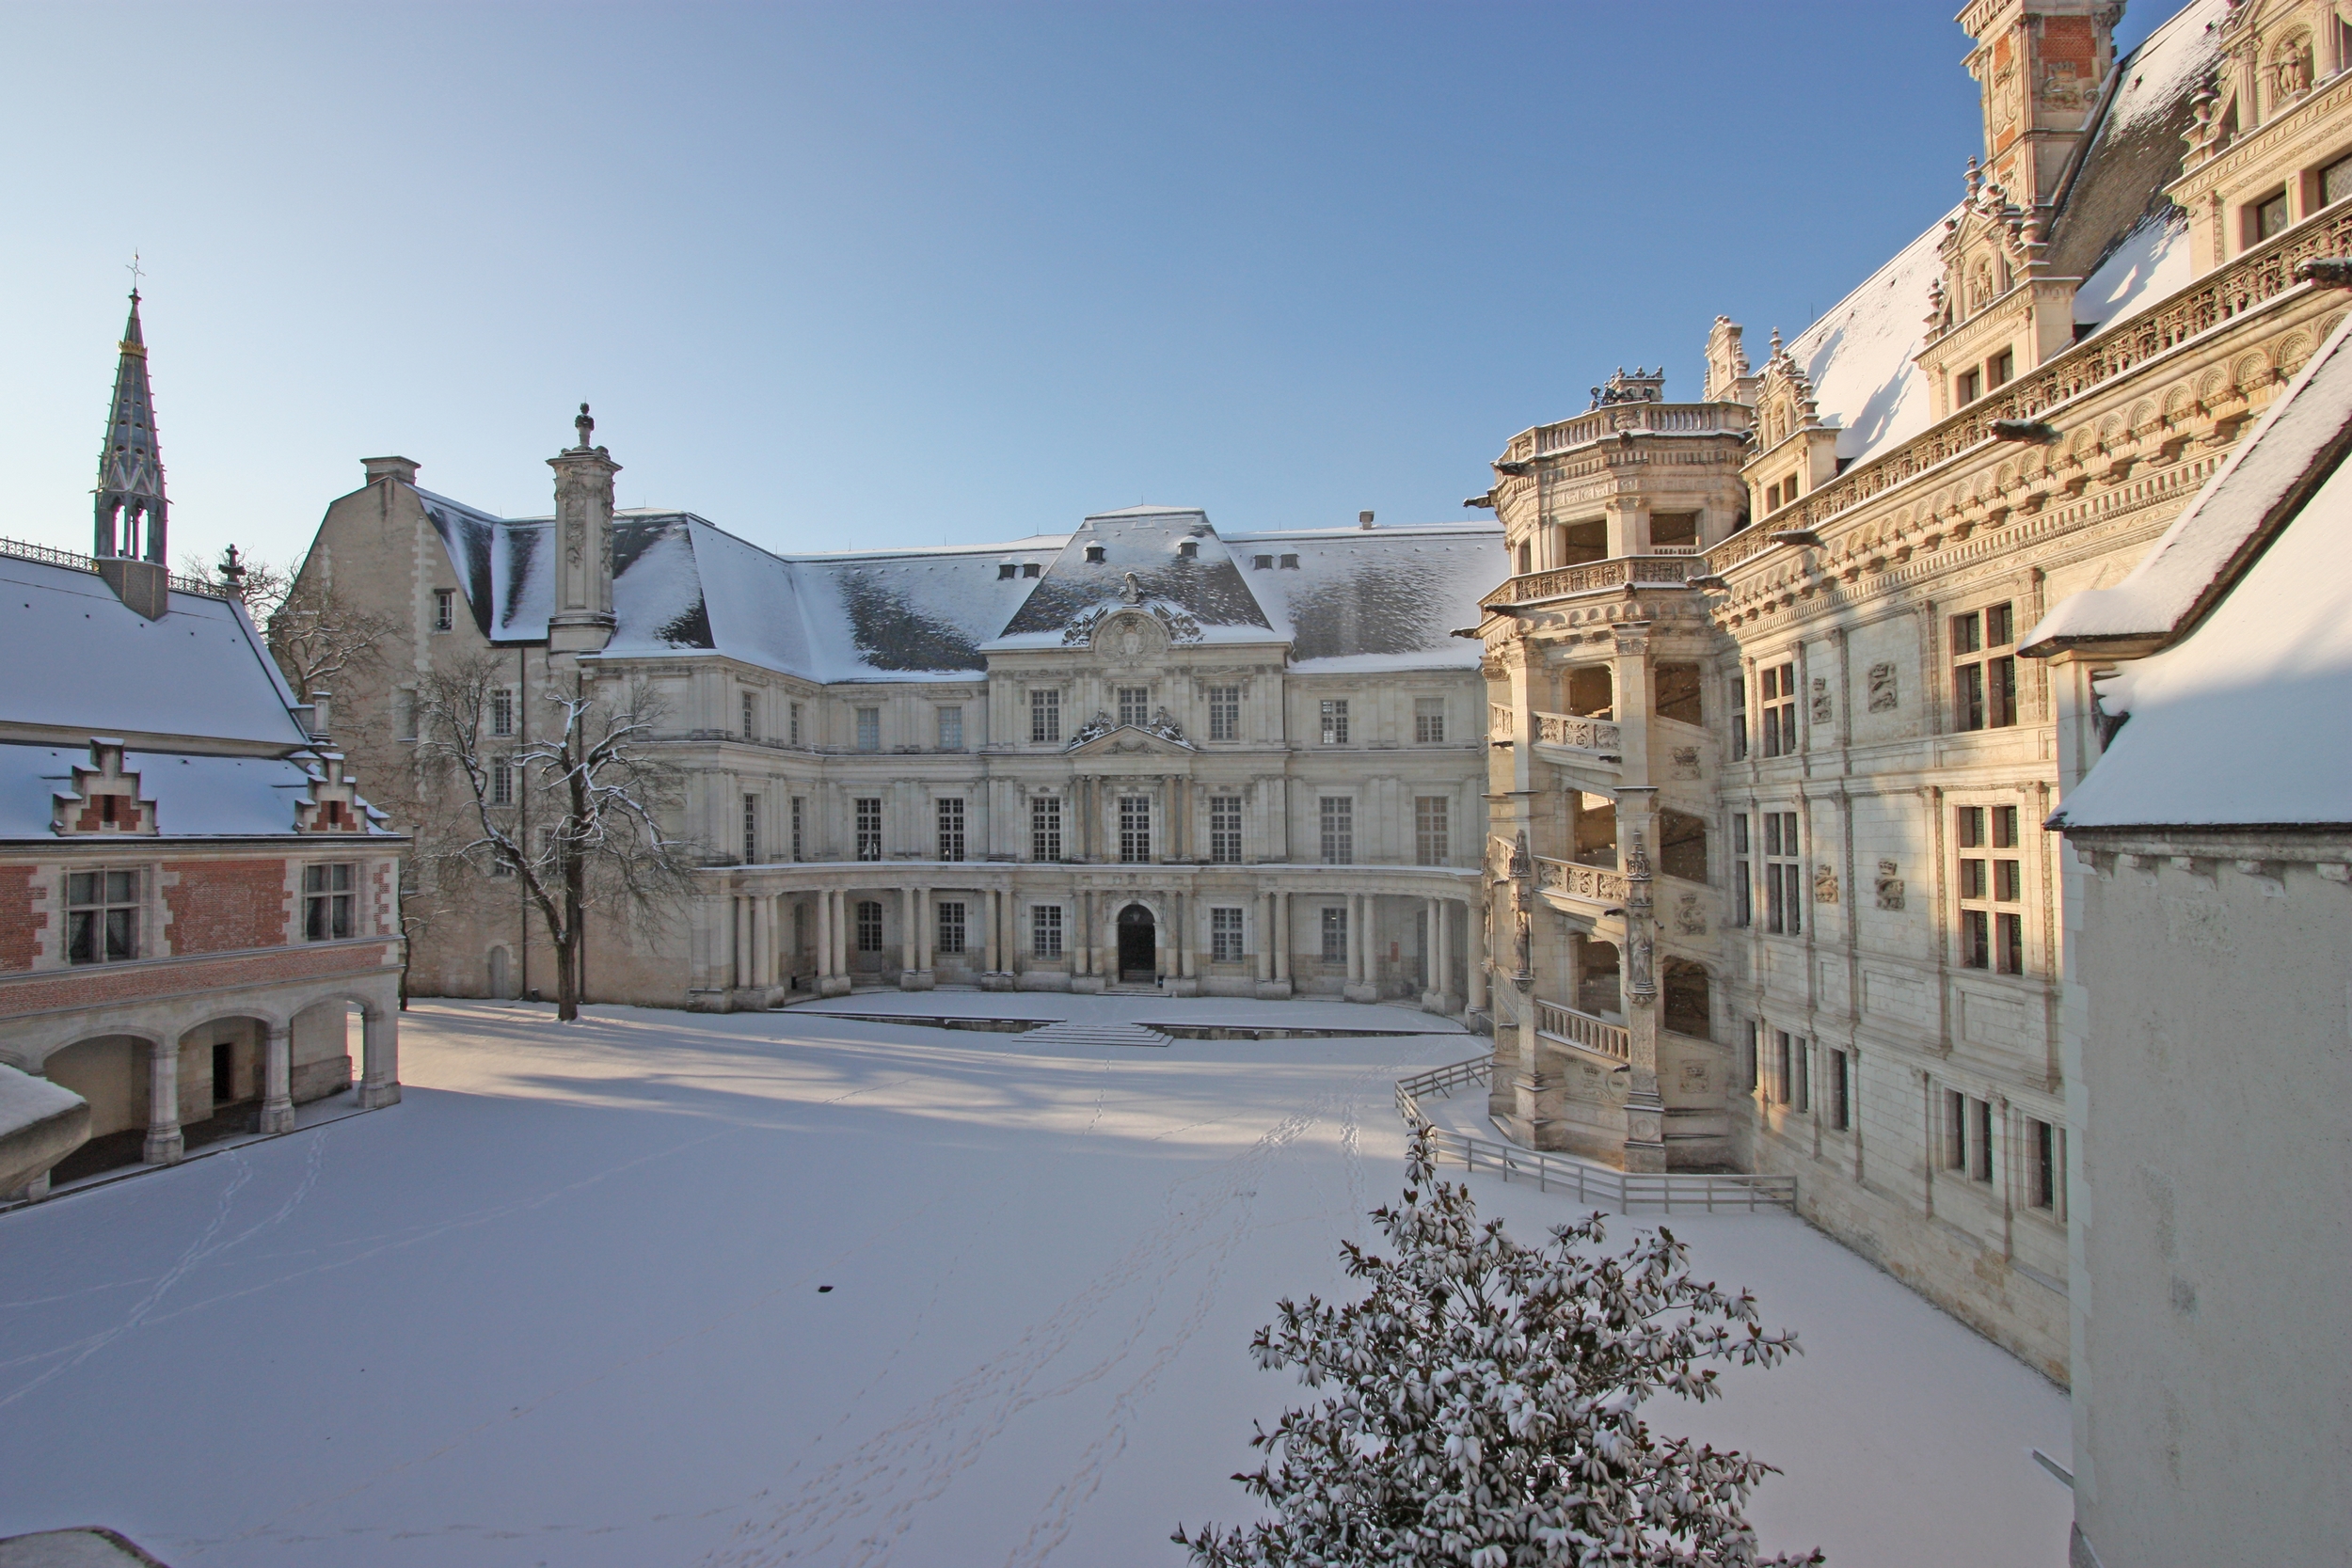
133	267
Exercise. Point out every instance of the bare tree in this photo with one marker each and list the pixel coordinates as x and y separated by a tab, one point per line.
592	789
315	634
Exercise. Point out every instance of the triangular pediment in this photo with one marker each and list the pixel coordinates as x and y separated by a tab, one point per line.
1131	739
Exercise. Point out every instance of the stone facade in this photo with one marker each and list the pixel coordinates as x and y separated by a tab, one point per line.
1862	920
1138	754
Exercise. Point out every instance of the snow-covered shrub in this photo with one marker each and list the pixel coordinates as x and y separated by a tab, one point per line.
1485	1406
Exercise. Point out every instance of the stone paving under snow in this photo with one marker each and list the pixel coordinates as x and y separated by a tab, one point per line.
564	1306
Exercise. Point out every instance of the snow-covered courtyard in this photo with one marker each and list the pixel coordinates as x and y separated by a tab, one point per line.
670	1289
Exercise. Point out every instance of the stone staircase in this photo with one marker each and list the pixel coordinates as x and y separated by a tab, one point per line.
1079	1031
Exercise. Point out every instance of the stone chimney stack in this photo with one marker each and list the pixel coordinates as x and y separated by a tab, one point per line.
2041	66
1363	519
582	620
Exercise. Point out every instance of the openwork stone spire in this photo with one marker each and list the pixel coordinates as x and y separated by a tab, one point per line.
130	467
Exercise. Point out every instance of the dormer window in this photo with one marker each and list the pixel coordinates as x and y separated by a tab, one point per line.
1188	551
1094	555
1262	562
1007	569
444	610
2268	217
2001	368
1290	564
1029	568
1966	387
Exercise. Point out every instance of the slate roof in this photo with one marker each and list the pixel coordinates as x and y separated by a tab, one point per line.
1362	598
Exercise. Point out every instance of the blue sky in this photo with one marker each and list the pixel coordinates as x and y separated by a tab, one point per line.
852	276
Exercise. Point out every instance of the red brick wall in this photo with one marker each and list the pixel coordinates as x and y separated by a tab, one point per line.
20	927
225	905
117	985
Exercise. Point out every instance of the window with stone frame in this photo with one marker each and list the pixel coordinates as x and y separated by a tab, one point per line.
2335	181
800	827
1335	933
949	921
1784	1065
1984	669
795	726
102	916
1045	828
1135	704
2046	1167
751	829
1134	830
1225	936
1742	871
1338	829
1044	716
1991	888
1225	830
1840	1065
1784	878
751	714
502	710
2266	218
1776	685
950	812
328	897
869	926
867	819
1739	720
950	728
1429	720
444	610
1045	921
1225	713
1334	716
869	729
1432	830
502	781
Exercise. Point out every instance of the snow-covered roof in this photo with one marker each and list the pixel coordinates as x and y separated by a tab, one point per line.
2115	230
198	672
195	796
2258	488
680	584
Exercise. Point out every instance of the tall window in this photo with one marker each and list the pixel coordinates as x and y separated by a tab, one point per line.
1045	828
1335	933
1225	936
1045	930
1742	892
1429	720
327	900
1044	716
102	916
1225	830
444	610
1981	1143
869	729
1339	830
2270	218
1739	719
1225	713
950	939
795	723
2043	1166
502	781
800	827
1840	1090
1135	704
751	714
751	829
1955	1129
1335	721
1134	829
952	828
502	710
869	926
1984	669
1779	693
865	813
1431	821
1785	1061
1801	1093
1784	884
1991	889
951	729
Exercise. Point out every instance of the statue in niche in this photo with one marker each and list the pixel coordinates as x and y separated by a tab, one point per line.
1637	966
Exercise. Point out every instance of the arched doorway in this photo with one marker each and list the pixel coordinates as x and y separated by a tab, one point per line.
1682	986
112	1073
1138	946
501	979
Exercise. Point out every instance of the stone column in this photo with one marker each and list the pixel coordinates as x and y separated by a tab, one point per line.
1361	986
1473	956
824	937
1282	938
277	1115
380	1035
990	950
1433	955
1189	938
163	1143
1265	937
908	920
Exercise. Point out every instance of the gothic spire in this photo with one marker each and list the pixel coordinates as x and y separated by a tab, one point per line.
129	468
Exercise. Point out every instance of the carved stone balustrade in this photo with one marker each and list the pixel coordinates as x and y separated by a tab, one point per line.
1564	1025
1584	735
1599	577
1590	884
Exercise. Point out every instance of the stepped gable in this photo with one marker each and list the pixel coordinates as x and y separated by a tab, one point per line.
1147	543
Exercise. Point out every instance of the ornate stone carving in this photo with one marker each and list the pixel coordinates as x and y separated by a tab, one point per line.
1689	917
1824	706
1825	883
1890	885
1884	695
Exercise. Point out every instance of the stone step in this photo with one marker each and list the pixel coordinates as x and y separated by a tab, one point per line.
1074	1031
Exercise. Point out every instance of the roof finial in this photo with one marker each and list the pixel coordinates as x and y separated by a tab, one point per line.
133	267
130	509
587	428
